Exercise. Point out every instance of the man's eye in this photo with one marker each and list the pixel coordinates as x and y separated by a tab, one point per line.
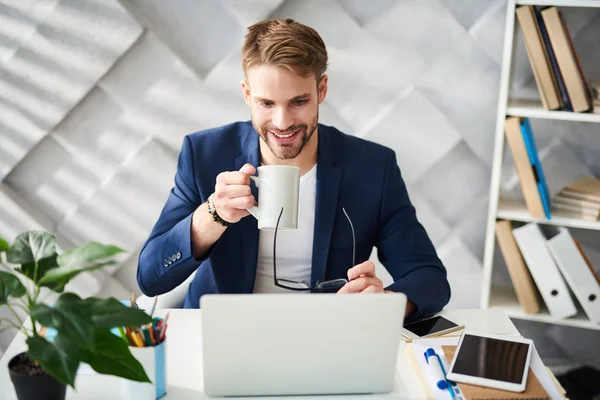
300	102
266	103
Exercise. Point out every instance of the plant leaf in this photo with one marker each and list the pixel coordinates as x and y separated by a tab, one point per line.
57	278
10	286
4	246
59	358
111	356
70	316
86	254
75	261
108	313
44	265
31	246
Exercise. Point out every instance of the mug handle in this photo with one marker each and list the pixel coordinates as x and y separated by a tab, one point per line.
254	209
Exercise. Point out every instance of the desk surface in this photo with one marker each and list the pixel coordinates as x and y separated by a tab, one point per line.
184	366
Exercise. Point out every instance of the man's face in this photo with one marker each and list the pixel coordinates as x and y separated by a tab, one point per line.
284	107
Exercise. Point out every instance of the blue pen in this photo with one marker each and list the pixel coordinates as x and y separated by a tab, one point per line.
437	368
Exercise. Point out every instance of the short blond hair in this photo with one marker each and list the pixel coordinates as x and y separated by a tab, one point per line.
287	44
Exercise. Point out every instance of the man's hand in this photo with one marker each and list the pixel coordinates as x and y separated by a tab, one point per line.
362	279
233	196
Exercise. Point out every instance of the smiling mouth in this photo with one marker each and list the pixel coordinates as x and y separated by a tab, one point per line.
285	136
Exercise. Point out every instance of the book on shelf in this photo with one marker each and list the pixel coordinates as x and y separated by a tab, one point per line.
567	59
587	188
581	198
564	95
538	58
575	212
553	59
527	293
564	197
530	176
536	165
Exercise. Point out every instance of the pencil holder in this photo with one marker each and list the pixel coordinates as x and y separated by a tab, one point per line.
152	359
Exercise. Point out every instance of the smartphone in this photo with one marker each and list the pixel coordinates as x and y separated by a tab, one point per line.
430	327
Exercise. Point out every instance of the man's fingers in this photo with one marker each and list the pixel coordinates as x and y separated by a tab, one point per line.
233	195
372	289
248	169
233	191
242	203
360	284
367	269
233	178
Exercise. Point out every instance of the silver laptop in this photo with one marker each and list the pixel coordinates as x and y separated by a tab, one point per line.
297	344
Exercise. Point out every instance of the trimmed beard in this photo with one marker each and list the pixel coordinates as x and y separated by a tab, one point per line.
291	150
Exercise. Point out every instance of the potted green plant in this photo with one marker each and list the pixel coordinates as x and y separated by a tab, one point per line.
83	327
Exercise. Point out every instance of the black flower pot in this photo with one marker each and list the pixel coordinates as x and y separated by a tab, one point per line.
40	386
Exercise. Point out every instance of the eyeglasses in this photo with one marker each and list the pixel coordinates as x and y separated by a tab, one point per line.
330	286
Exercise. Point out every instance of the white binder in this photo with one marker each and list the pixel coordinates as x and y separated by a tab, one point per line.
544	271
577	273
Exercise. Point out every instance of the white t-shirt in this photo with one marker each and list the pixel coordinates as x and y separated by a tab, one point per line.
294	248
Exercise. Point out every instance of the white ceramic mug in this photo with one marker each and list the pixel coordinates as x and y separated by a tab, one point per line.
278	186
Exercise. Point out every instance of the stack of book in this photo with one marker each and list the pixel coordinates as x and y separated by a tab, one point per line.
580	198
556	68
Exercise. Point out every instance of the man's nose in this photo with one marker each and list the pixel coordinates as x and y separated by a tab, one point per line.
282	119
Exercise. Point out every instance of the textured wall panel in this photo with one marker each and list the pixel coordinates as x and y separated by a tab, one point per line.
55	67
419	133
53	178
459	173
463	270
124	210
16	28
410	23
200	32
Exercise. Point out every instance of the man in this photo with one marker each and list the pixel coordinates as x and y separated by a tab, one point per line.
204	226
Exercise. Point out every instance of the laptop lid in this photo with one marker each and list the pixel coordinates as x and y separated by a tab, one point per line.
296	344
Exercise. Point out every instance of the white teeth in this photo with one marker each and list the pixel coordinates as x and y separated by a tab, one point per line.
284	136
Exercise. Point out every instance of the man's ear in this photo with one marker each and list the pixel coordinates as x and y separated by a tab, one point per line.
246	91
322	88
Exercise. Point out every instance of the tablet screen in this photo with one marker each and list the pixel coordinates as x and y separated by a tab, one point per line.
429	326
488	358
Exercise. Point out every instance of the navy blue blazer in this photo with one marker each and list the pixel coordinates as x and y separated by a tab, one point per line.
361	176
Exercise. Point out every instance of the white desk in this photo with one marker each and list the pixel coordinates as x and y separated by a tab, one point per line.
184	355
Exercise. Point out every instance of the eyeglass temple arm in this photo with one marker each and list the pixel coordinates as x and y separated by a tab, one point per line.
275	247
275	243
353	237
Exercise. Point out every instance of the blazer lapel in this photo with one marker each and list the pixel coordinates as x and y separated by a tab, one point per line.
249	225
328	184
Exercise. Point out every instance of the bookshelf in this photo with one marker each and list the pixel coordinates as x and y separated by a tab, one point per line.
515	210
506	299
534	109
494	296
